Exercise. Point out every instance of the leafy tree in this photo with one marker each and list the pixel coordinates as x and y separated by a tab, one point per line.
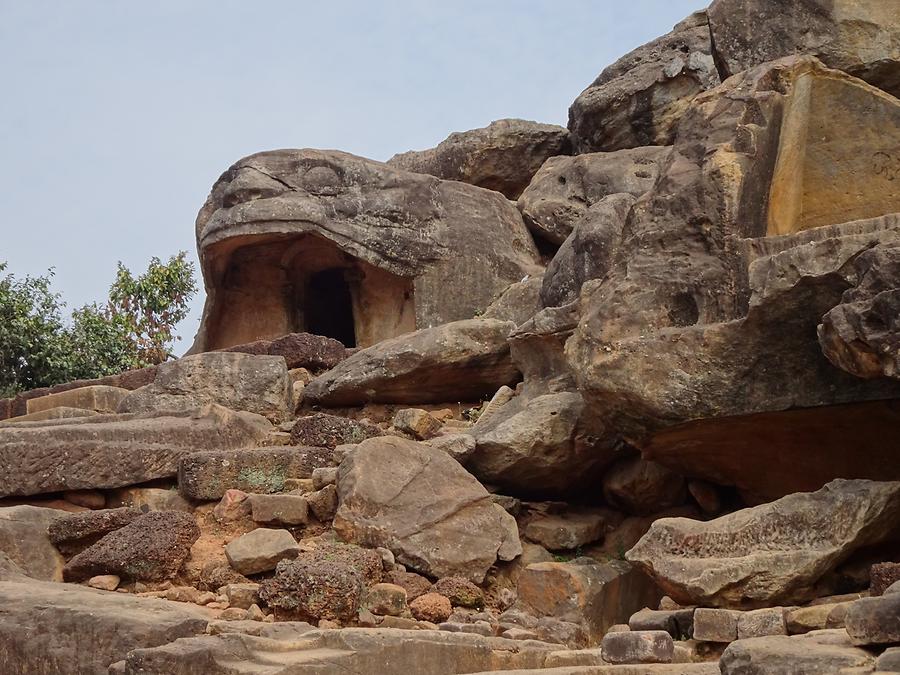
135	328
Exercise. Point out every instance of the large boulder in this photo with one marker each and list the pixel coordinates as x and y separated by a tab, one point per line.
502	156
151	548
860	38
783	655
862	334
640	98
62	628
770	554
459	361
107	451
422	505
329	243
312	591
708	314
24	541
565	188
258	384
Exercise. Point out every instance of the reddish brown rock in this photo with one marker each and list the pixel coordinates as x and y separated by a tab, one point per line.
151	548
329	431
300	350
432	607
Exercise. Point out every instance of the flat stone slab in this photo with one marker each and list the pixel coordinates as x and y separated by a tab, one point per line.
49	627
96	397
107	451
207	475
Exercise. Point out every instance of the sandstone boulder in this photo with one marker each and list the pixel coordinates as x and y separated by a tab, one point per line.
565	188
77	531
151	548
459	361
258	384
422	505
640	98
328	243
432	607
874	621
208	475
861	38
365	562
502	156
518	302
782	655
97	397
647	646
107	451
592	595
260	550
24	541
768	554
300	350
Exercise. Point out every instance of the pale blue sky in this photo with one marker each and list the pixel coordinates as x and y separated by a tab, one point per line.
116	117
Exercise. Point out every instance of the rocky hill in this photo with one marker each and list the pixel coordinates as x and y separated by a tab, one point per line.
617	398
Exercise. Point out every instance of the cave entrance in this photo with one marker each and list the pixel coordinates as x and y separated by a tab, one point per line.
329	306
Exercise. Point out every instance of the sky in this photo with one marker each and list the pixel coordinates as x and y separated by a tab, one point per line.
116	117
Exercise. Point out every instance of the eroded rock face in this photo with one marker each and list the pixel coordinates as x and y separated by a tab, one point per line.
422	505
783	655
329	243
257	384
709	311
860	38
640	98
300	350
502	156
862	334
459	361
106	451
769	554
24	541
565	188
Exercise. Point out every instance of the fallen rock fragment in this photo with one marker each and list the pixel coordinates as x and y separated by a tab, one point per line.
150	548
329	431
260	550
646	646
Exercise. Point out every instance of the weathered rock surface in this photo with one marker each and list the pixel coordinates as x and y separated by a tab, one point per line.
640	99
79	530
769	554
329	431
641	487
24	541
874	621
535	446
588	251
61	628
106	451
208	475
300	649
862	333
518	302
411	250
97	397
258	384
422	505
459	361
314	590
151	548
300	350
566	188
502	156
571	530
861	38
593	595
432	607
283	509
648	646
782	655
365	562
729	263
